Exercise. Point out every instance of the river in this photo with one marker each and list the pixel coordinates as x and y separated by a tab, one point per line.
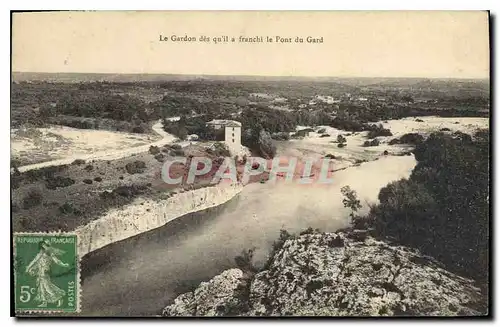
141	275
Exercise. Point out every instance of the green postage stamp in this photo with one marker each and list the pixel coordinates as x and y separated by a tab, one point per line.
46	272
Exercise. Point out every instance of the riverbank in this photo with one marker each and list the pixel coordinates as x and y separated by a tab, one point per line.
146	272
145	214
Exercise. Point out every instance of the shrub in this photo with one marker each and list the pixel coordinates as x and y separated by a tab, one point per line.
443	208
347	124
98	179
68	208
408	200
78	162
418	120
44	173
15	169
154	150
309	230
244	261
125	191
58	181
160	157
350	200
177	153
87	181
129	190
15	181
378	130
411	138
259	140
138	129
281	136
482	135
321	130
336	242
277	245
325	135
107	196
362	222
136	167
373	142
465	138
219	149
32	199
304	132
341	145
266	147
330	156
89	168
341	138
393	141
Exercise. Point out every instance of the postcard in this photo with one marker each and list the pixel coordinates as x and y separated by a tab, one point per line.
250	164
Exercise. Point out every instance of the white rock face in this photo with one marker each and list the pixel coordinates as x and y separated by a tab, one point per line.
337	274
143	215
210	298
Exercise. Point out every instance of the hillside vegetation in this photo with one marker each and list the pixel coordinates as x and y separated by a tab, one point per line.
443	208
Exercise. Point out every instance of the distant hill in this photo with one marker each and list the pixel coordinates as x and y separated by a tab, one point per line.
84	77
93	77
351	81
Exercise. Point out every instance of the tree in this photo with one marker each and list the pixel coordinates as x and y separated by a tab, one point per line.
350	200
182	133
266	145
407	98
244	261
443	208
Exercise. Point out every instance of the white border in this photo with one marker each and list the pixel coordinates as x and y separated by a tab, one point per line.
199	5
258	5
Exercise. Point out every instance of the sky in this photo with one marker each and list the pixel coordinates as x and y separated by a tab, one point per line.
432	44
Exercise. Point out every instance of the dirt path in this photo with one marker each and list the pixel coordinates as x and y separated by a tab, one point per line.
107	155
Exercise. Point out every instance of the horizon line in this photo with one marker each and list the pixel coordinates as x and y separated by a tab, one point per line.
255	76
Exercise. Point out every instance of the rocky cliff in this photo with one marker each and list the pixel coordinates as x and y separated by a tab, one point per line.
143	215
335	274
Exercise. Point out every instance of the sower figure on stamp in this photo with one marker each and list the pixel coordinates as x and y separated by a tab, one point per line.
47	292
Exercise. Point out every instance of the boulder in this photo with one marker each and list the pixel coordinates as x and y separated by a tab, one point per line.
338	274
212	298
